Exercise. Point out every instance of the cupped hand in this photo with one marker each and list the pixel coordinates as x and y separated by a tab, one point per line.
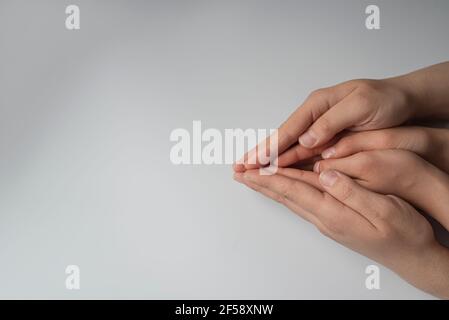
361	105
356	105
382	227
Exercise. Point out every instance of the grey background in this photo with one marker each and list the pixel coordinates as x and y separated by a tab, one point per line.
85	118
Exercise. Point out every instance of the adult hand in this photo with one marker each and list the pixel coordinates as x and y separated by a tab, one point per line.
357	104
360	105
381	227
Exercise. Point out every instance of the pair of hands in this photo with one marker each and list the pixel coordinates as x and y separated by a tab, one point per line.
354	194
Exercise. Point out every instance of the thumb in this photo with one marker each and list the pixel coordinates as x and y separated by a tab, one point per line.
343	115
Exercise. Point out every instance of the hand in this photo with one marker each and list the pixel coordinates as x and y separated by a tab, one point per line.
357	104
361	105
384	228
429	143
398	172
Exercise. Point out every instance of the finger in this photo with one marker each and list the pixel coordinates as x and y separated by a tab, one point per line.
298	153
286	135
351	166
354	143
307	164
337	220
415	139
407	138
300	193
345	114
299	121
239	178
238	167
276	197
308	177
353	195
288	188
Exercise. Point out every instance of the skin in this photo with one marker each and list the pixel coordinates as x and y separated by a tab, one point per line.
382	227
429	143
344	124
411	180
362	105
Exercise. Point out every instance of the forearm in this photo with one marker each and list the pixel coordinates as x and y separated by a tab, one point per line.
432	272
427	91
440	286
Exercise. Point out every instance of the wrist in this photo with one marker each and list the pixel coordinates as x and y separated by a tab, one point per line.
427	91
427	268
407	100
435	268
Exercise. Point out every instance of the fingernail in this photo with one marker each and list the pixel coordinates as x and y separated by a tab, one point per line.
316	167
328	178
308	139
328	153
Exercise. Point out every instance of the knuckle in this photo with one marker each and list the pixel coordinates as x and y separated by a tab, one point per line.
332	224
324	231
324	126
318	93
289	134
387	217
344	144
363	98
333	227
364	94
365	163
384	210
366	85
404	177
387	231
395	204
346	192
